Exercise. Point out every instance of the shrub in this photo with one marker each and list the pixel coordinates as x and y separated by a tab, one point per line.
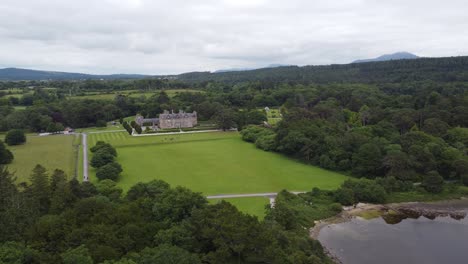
266	142
15	137
250	133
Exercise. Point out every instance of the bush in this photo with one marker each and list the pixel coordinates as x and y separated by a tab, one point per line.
15	137
433	182
109	171
250	133
266	142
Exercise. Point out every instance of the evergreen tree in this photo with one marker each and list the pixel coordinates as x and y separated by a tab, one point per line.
40	188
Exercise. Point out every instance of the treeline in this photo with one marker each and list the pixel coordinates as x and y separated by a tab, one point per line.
48	112
404	132
53	220
435	69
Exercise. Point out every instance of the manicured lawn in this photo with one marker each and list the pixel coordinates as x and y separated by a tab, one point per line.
251	205
212	163
52	152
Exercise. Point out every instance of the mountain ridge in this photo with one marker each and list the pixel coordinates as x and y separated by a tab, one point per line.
401	55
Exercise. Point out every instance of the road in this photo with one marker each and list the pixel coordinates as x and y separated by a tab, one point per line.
270	196
84	142
245	195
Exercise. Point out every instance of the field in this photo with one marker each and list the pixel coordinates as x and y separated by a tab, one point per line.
212	163
130	93
52	152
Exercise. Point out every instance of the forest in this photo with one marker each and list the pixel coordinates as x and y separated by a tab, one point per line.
53	220
398	126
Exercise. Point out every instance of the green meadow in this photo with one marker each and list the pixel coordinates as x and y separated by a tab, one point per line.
52	152
211	163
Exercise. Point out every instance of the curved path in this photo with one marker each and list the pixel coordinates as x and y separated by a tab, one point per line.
84	142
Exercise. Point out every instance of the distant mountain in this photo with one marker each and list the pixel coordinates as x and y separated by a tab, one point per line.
250	69
17	74
387	57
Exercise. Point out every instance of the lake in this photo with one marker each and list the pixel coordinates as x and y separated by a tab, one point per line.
421	240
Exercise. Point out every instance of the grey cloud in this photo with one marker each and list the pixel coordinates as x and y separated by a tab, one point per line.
159	37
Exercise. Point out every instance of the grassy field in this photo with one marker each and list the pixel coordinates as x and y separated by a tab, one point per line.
252	205
131	93
52	152
211	163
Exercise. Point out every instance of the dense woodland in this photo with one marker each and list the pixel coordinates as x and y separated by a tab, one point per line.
399	126
53	220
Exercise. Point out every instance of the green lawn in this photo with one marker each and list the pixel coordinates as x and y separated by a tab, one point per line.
251	205
212	163
52	152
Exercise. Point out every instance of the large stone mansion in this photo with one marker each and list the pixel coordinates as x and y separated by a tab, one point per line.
169	120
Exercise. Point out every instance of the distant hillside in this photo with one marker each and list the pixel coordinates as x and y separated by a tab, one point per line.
422	69
250	69
17	74
395	56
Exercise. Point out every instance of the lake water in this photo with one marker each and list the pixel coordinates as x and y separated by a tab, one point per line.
442	240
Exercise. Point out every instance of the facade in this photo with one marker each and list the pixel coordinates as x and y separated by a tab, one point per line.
170	120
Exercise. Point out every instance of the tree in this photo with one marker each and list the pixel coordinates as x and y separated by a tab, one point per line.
367	161
433	182
15	137
40	188
166	254
16	253
127	127
109	171
104	147
225	118
79	255
109	189
344	196
8	189
6	156
61	195
101	158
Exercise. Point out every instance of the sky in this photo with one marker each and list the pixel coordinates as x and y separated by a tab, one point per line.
175	36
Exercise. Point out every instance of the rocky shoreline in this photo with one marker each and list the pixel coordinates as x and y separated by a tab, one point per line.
393	214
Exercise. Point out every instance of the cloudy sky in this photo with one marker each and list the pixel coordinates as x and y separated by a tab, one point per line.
174	36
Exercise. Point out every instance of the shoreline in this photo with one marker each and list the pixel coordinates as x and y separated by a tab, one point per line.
456	208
